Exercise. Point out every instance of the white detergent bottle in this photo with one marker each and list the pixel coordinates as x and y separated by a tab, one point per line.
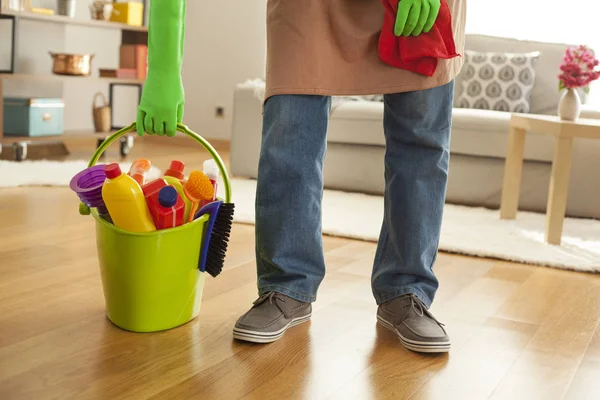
211	170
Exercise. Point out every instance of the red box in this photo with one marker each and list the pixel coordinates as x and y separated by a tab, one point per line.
134	56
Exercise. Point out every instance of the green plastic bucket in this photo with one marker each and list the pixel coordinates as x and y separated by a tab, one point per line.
151	281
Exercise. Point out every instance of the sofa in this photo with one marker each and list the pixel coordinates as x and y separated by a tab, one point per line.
478	146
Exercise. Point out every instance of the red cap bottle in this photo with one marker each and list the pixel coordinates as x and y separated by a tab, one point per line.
112	171
166	208
176	170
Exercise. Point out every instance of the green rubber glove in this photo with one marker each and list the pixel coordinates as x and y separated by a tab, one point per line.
416	16
163	98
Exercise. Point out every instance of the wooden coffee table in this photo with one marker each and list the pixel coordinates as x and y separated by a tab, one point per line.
564	132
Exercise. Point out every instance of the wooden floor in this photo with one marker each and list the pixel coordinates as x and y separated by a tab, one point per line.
518	332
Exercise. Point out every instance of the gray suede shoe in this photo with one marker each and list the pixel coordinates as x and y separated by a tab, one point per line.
416	327
270	316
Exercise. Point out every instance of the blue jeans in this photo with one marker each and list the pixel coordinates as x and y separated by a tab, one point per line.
289	248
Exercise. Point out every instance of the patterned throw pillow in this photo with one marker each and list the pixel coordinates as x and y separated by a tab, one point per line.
497	81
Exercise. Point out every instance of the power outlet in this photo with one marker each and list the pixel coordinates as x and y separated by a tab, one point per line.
220	112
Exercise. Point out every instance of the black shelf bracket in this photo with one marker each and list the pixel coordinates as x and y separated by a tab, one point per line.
13	43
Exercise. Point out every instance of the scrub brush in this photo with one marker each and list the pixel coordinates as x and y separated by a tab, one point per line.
214	247
198	189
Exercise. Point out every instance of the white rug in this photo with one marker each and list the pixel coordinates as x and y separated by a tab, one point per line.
465	230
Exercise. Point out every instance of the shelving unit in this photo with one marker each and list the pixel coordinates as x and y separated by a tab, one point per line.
56	78
72	21
129	35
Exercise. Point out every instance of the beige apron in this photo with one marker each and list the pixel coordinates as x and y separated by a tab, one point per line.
329	47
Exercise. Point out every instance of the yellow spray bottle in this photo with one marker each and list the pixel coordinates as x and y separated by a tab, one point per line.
125	201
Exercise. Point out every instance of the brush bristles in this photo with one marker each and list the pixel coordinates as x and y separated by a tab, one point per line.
219	239
198	187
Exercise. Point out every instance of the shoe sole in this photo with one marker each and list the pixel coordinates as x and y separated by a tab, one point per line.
421	347
267	337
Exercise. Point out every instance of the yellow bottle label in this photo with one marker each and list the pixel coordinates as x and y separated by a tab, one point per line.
126	204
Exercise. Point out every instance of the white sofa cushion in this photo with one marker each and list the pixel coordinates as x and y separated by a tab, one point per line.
480	120
588	111
480	133
357	122
484	133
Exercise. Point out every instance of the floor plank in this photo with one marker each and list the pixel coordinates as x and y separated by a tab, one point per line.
585	384
546	367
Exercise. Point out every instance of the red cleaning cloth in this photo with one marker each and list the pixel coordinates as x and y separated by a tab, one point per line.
417	53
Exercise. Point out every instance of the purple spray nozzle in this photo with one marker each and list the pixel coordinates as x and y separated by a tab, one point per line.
88	186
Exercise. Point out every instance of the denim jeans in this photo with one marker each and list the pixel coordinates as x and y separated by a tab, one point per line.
289	248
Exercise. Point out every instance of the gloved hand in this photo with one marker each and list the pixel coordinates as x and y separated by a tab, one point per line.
161	106
162	103
416	16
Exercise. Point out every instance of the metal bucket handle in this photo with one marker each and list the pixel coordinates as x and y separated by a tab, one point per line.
83	209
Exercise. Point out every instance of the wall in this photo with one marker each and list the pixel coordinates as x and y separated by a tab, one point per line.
225	45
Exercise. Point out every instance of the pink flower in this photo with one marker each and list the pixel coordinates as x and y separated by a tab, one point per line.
579	68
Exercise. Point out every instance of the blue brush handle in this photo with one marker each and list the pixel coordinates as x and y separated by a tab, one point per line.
212	209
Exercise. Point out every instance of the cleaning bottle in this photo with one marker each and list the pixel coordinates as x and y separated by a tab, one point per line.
176	170
153	187
125	201
138	170
211	170
199	191
174	177
166	208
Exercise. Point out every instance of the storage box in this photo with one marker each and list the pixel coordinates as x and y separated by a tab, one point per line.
33	116
131	13
134	56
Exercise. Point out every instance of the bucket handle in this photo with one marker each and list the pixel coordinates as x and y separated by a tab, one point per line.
181	128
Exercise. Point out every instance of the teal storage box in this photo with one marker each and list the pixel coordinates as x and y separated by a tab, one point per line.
33	116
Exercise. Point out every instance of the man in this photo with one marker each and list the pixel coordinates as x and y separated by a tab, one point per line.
316	49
